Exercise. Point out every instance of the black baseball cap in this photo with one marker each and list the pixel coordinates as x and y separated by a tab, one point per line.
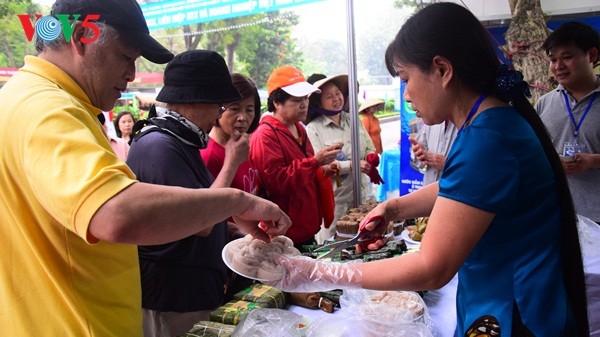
125	16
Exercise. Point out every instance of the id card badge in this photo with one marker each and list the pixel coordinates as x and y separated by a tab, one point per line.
573	147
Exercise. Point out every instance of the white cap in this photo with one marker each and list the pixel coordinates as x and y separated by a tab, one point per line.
301	89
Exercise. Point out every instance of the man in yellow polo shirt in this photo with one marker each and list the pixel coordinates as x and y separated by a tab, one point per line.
72	213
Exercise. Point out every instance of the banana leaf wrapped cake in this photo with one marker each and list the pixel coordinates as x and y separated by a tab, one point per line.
210	329
262	293
232	312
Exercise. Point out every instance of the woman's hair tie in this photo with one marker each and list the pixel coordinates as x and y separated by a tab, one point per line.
510	84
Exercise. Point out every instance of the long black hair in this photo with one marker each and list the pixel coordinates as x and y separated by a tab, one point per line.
450	30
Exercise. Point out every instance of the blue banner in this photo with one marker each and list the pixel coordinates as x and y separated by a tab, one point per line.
177	13
411	175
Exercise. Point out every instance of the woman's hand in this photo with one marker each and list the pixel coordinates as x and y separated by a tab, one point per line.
327	154
331	169
373	230
365	167
236	150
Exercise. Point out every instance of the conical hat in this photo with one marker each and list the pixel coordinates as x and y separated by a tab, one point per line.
369	102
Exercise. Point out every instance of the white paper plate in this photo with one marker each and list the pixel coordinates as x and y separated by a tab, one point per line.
405	237
230	265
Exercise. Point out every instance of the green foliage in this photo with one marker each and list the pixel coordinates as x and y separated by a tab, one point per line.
389	105
268	45
388	109
414	4
326	56
386	113
13	42
8	7
252	45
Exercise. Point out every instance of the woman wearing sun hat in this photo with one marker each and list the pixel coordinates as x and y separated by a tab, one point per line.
367	111
331	126
287	165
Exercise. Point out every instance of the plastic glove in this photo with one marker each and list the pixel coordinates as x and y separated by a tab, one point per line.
373	160
305	274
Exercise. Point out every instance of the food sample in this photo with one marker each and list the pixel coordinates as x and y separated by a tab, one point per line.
312	301
417	230
394	305
348	223
332	295
398	227
250	257
410	301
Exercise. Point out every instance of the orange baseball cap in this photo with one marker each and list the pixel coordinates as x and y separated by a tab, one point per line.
290	80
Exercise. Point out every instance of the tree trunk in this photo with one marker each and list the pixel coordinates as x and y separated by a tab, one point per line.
191	40
524	38
231	51
8	52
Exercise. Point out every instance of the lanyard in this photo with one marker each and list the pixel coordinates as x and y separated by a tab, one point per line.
587	109
473	110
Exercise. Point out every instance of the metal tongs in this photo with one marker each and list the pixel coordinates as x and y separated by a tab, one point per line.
337	247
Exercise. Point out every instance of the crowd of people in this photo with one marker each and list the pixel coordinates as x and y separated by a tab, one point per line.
501	215
123	237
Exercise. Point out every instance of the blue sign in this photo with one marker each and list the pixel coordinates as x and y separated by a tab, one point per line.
177	13
411	175
127	95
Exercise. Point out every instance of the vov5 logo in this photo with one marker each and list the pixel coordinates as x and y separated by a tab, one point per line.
48	28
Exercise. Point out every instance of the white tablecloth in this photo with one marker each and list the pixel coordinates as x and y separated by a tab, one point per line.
442	303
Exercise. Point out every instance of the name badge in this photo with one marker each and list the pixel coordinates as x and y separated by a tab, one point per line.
573	147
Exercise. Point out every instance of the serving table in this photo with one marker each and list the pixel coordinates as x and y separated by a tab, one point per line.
441	305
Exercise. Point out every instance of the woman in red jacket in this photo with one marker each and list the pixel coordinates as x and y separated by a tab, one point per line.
284	157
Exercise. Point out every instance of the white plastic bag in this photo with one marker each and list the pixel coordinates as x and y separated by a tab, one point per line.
364	314
346	325
589	237
268	323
